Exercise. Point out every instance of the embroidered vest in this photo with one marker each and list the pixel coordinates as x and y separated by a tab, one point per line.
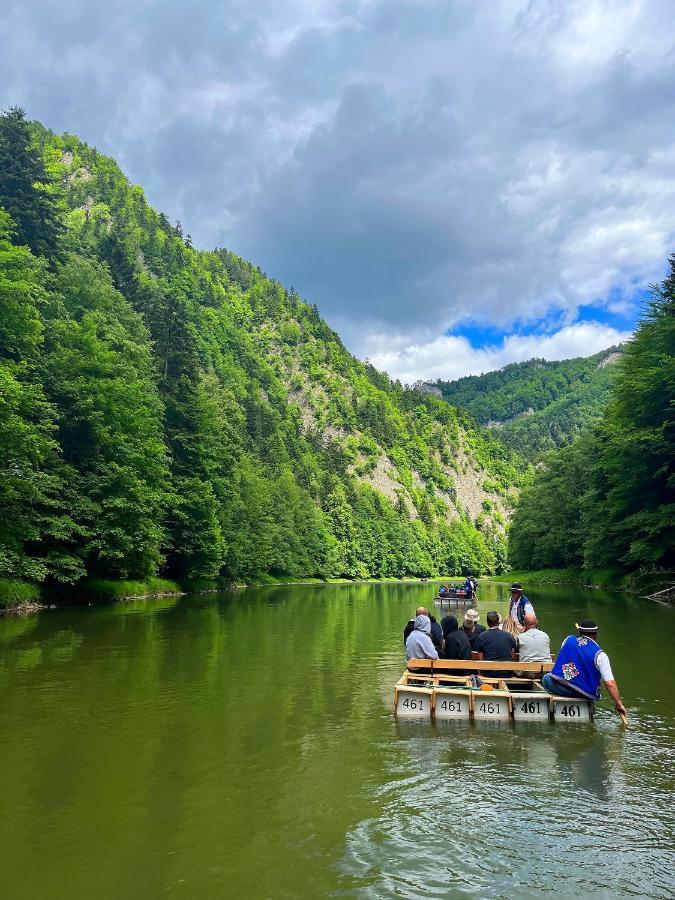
575	666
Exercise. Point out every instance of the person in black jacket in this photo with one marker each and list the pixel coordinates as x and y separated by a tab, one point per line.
455	641
436	633
495	645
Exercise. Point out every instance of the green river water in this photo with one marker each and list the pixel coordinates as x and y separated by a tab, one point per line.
243	745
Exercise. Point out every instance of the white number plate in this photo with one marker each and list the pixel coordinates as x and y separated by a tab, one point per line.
485	707
451	706
410	703
530	706
571	710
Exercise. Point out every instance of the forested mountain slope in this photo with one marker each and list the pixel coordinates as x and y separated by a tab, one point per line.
538	405
174	411
608	499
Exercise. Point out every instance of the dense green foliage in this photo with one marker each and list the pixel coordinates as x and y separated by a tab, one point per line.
171	412
27	188
15	592
538	405
610	496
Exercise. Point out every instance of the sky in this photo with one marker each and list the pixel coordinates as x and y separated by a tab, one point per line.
456	185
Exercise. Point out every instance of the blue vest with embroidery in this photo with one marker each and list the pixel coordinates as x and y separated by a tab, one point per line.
519	609
575	666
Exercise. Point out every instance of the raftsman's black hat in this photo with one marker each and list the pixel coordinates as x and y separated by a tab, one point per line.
516	586
586	625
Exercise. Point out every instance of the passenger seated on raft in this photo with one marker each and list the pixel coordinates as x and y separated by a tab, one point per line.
455	642
581	667
533	645
509	626
471	626
496	645
443	590
436	633
418	644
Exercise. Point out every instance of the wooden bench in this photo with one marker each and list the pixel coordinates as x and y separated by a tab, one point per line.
530	670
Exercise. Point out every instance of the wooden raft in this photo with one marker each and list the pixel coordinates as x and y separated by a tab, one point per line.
441	689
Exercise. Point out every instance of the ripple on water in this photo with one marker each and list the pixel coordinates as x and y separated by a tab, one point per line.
569	811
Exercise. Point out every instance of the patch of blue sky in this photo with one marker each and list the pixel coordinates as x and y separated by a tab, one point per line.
615	311
483	334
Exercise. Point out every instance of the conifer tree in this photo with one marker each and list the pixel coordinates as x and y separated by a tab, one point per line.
26	187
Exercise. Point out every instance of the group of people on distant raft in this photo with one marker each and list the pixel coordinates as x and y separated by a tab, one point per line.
469	587
579	669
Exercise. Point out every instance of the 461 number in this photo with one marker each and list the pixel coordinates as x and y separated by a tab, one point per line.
413	704
531	707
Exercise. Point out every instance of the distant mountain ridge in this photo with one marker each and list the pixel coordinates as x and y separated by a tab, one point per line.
537	405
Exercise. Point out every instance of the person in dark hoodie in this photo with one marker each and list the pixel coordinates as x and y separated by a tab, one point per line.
455	640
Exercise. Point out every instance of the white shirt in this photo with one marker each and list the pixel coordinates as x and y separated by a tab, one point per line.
534	646
527	608
602	664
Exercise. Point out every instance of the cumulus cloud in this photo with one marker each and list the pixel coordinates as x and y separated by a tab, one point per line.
408	166
452	356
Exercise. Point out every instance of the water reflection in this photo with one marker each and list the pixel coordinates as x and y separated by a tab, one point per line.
244	744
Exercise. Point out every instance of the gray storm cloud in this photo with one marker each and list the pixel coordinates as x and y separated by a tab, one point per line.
405	165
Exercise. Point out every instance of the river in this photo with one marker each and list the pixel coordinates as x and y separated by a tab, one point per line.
243	744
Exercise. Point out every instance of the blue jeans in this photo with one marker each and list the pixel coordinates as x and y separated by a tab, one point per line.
555	687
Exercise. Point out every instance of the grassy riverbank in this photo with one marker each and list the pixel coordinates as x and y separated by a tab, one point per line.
22	596
15	593
606	578
609	578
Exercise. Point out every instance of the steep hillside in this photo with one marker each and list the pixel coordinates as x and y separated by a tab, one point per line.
197	419
538	405
608	499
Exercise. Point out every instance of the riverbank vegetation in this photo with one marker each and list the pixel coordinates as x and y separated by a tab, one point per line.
605	578
15	593
166	412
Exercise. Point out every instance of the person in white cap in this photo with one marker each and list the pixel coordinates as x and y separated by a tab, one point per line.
471	626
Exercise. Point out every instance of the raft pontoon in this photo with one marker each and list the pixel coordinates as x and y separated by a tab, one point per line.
454	595
441	689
